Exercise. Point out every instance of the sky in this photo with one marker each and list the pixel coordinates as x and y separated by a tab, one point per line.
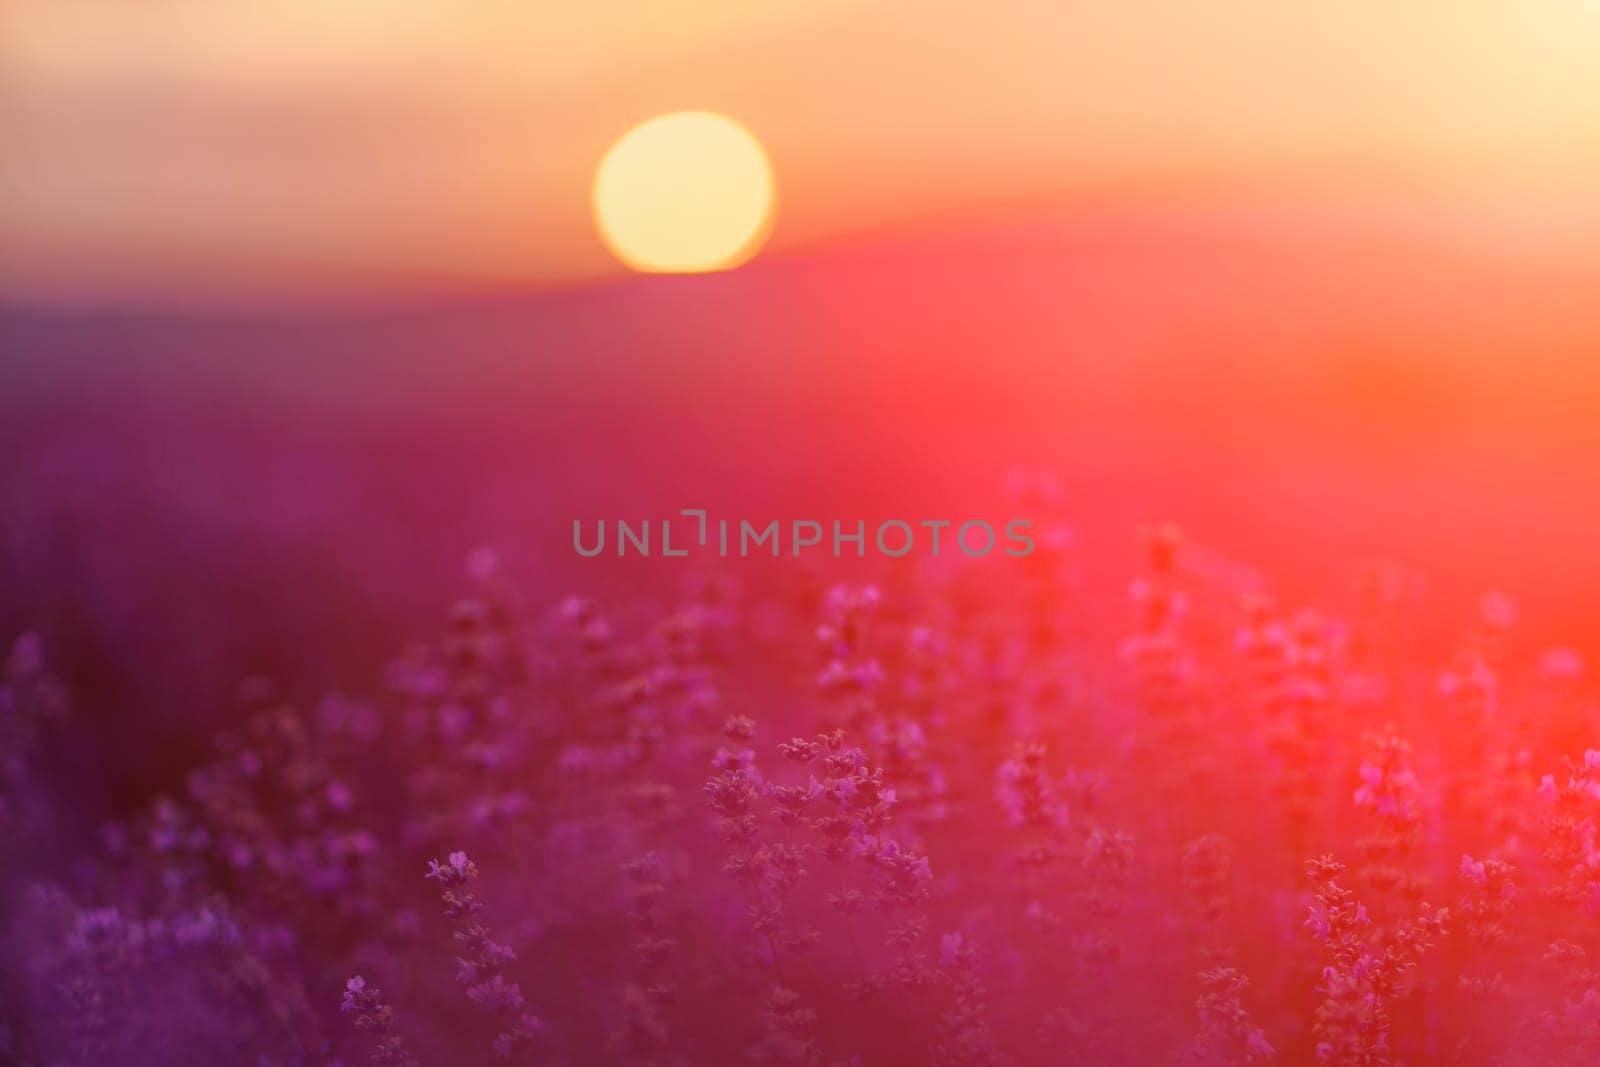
221	150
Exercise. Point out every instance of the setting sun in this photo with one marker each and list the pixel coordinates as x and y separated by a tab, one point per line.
683	193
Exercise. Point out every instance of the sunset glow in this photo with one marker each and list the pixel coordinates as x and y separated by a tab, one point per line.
811	533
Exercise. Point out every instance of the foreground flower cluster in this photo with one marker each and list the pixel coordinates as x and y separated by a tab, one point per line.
950	816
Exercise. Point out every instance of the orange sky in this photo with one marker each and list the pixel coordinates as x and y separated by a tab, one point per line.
230	149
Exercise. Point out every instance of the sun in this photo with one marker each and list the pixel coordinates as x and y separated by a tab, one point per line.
684	193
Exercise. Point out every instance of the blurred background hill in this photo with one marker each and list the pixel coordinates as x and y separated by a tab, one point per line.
191	497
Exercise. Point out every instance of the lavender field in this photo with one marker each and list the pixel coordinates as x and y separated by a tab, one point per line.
946	817
321	745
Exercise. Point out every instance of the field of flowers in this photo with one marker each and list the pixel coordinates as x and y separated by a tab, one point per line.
944	815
